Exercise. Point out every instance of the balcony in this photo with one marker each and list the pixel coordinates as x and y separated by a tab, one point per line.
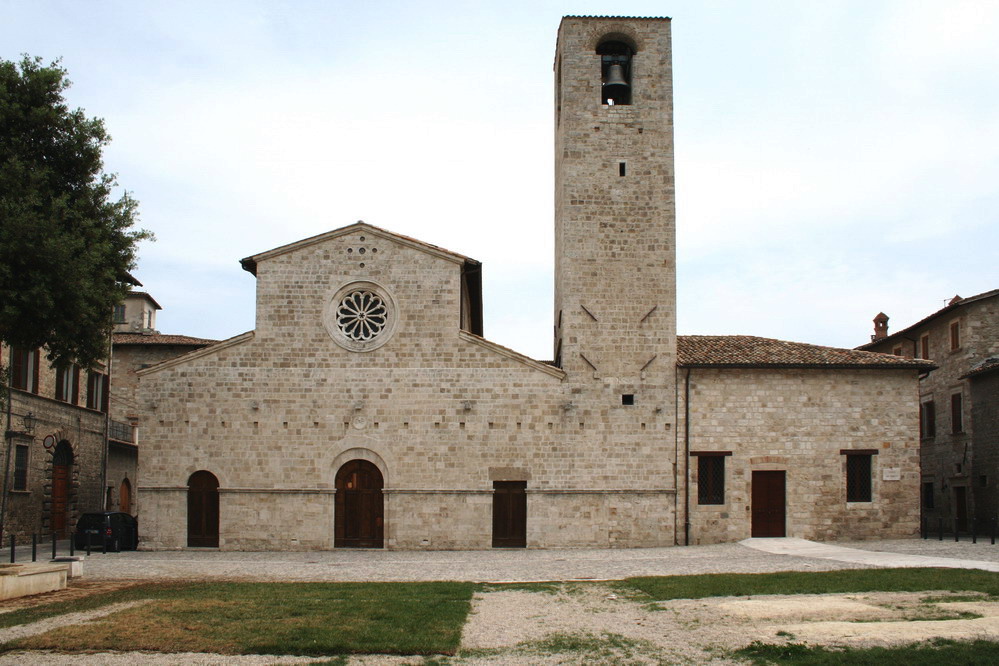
122	432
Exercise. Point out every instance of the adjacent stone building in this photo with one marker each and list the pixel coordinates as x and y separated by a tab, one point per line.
366	409
958	456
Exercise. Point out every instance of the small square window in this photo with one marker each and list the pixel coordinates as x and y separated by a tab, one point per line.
627	399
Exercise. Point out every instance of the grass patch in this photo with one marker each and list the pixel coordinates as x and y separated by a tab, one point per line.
816	582
924	654
544	588
313	619
590	648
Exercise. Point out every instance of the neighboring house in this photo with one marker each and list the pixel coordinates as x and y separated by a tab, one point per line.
135	344
957	454
365	409
54	453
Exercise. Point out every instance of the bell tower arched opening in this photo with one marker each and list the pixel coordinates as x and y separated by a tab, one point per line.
615	72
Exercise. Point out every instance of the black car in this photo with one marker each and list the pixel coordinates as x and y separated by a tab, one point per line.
120	529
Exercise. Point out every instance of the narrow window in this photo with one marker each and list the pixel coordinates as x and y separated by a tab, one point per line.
858	477
97	391
24	369
927	494
67	384
710	479
955	335
956	414
924	346
21	467
119	314
627	398
622	169
928	420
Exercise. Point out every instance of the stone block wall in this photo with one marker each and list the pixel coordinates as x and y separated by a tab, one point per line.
799	421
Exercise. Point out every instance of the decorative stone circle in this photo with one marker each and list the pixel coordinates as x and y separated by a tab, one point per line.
360	317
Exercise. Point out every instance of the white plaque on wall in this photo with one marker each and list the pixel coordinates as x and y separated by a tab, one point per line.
891	474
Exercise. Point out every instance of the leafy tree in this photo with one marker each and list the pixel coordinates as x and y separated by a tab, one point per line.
65	245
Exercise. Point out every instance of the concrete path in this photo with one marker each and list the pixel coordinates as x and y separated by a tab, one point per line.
870	558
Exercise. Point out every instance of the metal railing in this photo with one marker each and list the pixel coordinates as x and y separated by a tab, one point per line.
122	432
970	529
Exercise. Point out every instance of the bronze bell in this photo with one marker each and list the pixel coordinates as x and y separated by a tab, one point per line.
615	83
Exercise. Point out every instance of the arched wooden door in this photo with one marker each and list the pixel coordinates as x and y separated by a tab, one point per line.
125	497
359	507
62	479
203	510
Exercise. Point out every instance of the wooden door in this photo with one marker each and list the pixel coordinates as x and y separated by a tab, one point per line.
961	508
509	514
203	510
125	497
358	519
769	502
62	475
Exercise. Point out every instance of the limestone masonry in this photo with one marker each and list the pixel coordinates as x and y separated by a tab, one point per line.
365	409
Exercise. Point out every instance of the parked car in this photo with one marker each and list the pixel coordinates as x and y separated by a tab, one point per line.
120	529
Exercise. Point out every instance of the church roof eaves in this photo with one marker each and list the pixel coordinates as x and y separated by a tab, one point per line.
511	354
747	351
925	320
198	353
250	263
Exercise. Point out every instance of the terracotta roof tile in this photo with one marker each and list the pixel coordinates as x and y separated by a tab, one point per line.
987	366
159	339
731	351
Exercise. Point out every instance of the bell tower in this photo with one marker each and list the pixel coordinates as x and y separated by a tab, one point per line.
615	252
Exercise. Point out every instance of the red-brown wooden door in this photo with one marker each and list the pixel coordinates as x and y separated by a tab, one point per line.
509	514
358	519
203	510
769	504
62	474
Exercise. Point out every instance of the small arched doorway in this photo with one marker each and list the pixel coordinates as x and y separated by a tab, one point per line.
203	510
125	497
62	487
359	508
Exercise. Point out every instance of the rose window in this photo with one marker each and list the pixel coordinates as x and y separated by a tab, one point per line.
361	315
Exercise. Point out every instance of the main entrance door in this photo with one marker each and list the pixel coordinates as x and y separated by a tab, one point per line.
769	501
509	514
203	510
62	468
358	521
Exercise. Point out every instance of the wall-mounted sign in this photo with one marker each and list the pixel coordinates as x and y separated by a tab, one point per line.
49	442
891	474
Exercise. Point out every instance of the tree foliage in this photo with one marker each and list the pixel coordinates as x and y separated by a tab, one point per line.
66	245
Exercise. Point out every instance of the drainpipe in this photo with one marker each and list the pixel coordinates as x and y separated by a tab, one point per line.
9	441
686	459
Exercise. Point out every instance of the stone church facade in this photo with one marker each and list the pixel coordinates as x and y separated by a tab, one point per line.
366	409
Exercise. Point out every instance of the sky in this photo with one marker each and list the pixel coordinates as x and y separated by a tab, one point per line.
833	159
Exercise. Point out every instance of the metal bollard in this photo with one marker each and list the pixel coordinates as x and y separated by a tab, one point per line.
88	545
72	543
993	531
34	547
54	545
974	531
940	527
923	529
957	535
104	545
13	546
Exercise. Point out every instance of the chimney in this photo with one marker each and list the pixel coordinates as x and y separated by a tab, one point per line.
880	327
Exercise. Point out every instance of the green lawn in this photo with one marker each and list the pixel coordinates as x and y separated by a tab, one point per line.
331	619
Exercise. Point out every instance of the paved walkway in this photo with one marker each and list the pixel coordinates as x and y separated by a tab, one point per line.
750	556
827	551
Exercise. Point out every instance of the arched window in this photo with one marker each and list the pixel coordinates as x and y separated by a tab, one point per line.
615	72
